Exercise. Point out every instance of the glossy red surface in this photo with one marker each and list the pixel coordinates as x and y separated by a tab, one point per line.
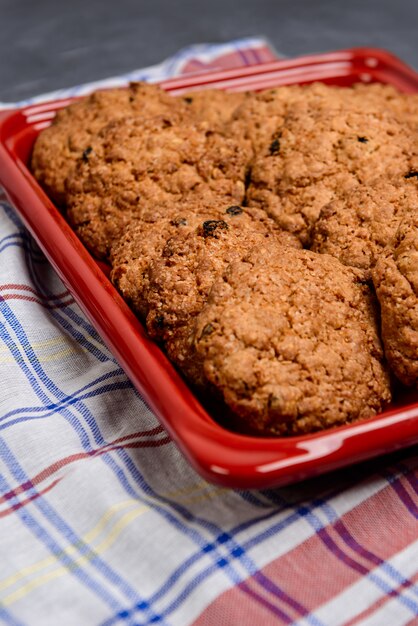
219	455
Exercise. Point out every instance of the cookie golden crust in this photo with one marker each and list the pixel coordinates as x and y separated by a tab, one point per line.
318	154
356	227
395	278
179	282
143	242
213	105
59	146
151	165
261	115
404	106
290	339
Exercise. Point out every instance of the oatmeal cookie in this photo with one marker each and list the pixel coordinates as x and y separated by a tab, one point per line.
321	153
290	338
139	166
213	105
395	277
357	226
59	146
179	282
143	241
404	106
261	115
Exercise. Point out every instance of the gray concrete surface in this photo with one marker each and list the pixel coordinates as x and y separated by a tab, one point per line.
48	44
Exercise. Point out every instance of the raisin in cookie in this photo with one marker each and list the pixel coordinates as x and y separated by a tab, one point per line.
395	278
143	241
59	146
321	153
290	339
357	226
139	166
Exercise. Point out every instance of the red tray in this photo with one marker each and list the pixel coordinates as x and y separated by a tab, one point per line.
219	455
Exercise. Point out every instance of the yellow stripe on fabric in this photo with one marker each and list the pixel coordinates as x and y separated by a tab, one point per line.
46	343
56	356
123	522
74	348
200	486
89	537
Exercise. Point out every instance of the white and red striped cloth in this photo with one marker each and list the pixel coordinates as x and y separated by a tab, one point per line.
102	521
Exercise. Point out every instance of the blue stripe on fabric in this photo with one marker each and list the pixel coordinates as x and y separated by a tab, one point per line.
402	494
292	518
11	244
389	569
250	566
58	522
101	355
72	420
236	549
42	376
43	536
53	406
319	527
7	618
11	214
60	409
12	236
24	245
99	351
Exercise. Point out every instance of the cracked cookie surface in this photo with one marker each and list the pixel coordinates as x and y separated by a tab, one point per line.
356	227
151	165
215	106
179	282
260	115
59	146
290	338
322	153
395	277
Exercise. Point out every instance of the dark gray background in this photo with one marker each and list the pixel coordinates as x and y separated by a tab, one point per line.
48	44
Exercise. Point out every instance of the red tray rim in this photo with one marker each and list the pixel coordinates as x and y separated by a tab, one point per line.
219	455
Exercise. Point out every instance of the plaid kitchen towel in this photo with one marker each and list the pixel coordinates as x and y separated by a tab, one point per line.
102	521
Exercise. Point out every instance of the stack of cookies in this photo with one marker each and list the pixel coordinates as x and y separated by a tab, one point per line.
268	241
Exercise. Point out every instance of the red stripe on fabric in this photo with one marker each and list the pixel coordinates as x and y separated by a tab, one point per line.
141	433
266	54
72	458
407	499
266	603
23	287
379	603
17	296
228	61
304	572
22	503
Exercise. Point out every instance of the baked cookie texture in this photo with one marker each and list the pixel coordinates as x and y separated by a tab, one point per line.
59	146
138	166
202	204
213	105
357	226
143	242
320	153
261	115
291	340
395	277
180	280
